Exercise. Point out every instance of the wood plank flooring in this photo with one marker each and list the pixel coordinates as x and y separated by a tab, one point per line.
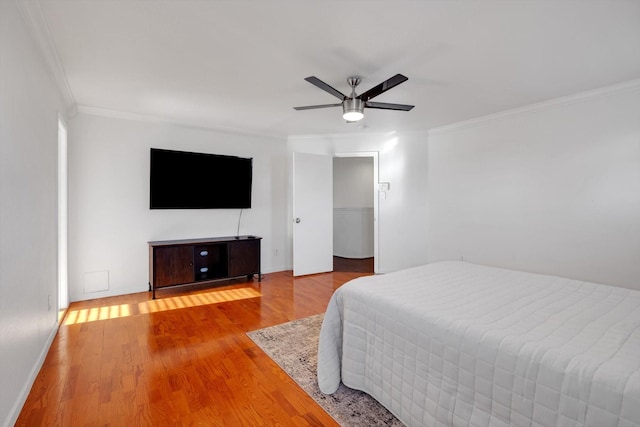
364	265
182	359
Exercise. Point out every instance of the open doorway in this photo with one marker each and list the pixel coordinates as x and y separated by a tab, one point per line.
355	212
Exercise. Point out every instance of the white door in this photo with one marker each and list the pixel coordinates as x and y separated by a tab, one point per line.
312	213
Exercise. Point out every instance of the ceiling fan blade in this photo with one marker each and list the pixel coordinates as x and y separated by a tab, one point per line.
383	87
322	85
386	106
313	107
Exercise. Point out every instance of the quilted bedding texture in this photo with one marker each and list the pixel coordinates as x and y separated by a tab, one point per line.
458	344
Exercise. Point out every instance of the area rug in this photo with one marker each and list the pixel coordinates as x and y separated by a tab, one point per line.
294	347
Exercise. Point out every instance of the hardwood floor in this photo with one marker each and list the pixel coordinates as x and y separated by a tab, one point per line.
364	265
182	359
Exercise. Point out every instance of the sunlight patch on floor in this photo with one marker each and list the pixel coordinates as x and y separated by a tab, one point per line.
195	300
163	304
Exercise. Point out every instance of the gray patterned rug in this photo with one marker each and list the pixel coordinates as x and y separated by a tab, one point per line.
294	347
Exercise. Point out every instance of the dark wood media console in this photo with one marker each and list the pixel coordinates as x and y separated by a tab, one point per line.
191	261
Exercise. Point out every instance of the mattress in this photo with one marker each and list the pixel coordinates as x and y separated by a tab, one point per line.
458	344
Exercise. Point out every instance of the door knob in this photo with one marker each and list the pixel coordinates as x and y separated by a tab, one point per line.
297	220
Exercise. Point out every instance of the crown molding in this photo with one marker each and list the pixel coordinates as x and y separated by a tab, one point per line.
334	136
37	25
359	134
125	115
628	86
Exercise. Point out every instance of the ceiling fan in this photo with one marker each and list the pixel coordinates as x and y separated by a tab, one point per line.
353	105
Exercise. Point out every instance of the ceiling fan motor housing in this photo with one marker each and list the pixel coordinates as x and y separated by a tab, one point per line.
352	109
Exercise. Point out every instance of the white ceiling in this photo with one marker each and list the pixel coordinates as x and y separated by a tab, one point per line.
241	64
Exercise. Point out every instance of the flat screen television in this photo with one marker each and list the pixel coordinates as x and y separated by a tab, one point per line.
185	180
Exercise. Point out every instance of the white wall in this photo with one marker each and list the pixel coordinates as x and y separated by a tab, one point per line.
554	190
353	235
352	183
110	221
29	107
402	237
353	216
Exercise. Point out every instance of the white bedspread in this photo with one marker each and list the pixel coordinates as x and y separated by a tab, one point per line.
454	343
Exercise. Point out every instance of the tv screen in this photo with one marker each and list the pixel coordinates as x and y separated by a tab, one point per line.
184	180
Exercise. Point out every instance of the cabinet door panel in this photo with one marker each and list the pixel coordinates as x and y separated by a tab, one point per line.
173	265
244	257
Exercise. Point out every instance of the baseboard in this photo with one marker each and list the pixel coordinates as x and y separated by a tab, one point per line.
14	413
352	256
110	293
276	269
138	289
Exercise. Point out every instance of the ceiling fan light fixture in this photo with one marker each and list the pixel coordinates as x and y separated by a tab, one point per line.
353	109
353	105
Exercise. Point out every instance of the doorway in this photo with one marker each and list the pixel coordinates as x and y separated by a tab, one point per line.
355	212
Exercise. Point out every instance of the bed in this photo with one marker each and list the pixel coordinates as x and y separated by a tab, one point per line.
458	344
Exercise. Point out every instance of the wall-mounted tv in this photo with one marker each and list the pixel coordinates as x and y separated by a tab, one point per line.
184	180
